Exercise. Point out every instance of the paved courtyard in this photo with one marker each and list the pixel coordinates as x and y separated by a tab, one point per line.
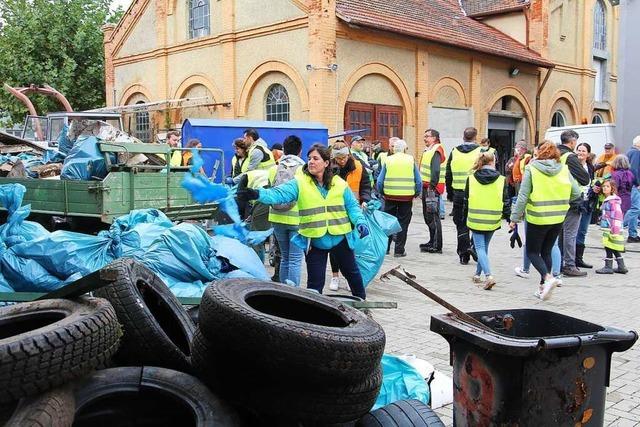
607	300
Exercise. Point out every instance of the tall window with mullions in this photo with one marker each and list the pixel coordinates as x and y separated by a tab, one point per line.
278	107
198	18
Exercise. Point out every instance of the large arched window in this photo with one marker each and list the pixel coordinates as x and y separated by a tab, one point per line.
597	119
558	120
277	104
143	130
599	26
198	18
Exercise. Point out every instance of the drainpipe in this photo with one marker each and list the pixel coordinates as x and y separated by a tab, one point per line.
540	88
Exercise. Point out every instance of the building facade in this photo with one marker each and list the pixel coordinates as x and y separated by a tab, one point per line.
628	125
392	67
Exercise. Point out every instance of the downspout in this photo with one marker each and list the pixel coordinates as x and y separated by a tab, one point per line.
540	89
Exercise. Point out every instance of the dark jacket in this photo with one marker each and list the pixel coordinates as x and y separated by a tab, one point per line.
634	161
577	172
365	182
465	147
488	176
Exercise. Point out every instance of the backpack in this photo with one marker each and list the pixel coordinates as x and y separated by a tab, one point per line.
285	172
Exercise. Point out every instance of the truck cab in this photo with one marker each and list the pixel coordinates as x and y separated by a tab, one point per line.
45	130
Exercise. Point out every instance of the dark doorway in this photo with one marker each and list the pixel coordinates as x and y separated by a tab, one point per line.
503	141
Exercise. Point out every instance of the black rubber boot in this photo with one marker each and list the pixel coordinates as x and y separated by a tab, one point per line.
579	257
608	267
622	269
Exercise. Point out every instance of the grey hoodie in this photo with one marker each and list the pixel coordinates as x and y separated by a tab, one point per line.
548	167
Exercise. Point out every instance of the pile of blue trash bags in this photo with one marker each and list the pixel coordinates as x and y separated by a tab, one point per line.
33	259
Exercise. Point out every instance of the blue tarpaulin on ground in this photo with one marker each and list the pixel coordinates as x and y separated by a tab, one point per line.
400	381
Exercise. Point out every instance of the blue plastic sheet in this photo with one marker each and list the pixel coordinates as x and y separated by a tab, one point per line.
371	250
17	229
65	145
240	256
400	381
85	161
137	230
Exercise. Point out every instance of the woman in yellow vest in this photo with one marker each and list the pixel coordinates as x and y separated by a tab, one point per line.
328	212
545	192
487	201
353	171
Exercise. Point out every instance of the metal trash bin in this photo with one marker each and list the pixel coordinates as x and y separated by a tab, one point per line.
533	368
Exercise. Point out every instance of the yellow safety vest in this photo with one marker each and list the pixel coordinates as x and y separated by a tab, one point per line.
488	150
264	164
257	179
321	215
382	158
485	204
461	165
549	200
399	179
176	158
564	157
289	217
425	165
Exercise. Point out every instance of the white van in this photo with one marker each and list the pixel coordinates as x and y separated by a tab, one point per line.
594	135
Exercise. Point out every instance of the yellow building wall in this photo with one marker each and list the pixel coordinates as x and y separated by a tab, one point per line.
454	68
375	89
178	21
565	36
512	24
143	73
258	13
203	61
141	39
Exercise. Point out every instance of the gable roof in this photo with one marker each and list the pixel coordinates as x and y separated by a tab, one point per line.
490	7
441	21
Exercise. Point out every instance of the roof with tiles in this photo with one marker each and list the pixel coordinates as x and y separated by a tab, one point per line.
441	21
490	7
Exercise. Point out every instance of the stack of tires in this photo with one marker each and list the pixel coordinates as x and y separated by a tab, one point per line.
287	354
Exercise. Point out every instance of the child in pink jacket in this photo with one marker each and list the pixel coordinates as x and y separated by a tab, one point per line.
611	225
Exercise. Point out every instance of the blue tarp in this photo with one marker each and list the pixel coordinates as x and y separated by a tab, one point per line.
400	381
85	161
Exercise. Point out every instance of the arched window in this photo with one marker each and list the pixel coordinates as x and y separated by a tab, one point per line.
143	130
597	119
558	120
277	104
198	18
599	26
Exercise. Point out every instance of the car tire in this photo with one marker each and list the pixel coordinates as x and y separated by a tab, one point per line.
157	329
48	343
54	408
297	333
410	413
148	396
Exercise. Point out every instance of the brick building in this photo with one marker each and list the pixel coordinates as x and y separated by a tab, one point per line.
394	67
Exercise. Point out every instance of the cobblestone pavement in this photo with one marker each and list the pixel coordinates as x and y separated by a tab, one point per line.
607	300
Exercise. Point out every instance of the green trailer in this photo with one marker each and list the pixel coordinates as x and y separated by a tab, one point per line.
125	188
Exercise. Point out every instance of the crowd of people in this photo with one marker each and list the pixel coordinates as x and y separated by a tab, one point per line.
549	195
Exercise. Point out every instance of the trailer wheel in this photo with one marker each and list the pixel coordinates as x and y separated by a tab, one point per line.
44	344
157	329
410	413
54	408
297	333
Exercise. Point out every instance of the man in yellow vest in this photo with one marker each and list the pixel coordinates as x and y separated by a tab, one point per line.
173	141
258	155
569	139
459	166
399	181
432	189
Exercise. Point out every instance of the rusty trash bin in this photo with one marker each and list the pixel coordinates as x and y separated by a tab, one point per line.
531	368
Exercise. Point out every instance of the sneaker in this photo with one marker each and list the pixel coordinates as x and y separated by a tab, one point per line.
547	288
335	283
573	272
632	239
402	255
434	251
425	246
521	272
476	279
489	283
558	278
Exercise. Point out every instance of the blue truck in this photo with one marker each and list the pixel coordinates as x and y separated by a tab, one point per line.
221	133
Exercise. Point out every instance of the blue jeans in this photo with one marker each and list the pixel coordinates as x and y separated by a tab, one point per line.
290	254
441	205
556	257
631	217
585	219
481	242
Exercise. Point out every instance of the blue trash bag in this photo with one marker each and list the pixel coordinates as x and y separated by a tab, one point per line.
85	161
184	258
4	285
138	229
26	275
371	250
65	145
400	381
53	156
239	256
16	229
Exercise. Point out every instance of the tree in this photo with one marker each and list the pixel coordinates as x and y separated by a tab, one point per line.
55	42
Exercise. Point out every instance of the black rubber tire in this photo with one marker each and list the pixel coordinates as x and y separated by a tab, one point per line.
54	408
148	396
194	314
286	400
410	413
328	342
157	329
44	344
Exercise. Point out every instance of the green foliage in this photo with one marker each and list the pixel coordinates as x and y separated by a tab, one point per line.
54	42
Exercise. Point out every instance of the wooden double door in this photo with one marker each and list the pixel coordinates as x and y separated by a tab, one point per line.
380	122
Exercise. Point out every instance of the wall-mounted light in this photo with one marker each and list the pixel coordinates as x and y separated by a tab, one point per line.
514	71
330	67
